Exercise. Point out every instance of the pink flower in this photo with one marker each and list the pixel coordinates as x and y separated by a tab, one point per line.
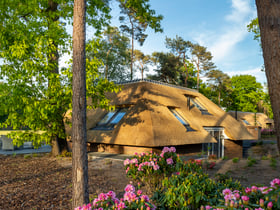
261	203
265	190
129	196
94	203
111	194
134	160
275	183
129	188
245	199
139	192
102	196
127	170
207	207
165	149
121	205
172	149
156	167
254	189
126	162
270	205
248	190
237	196
226	191
198	162
145	198
169	161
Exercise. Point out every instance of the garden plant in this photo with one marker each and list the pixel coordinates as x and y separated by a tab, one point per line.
175	184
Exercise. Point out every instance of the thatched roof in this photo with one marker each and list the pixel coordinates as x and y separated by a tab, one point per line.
149	122
254	119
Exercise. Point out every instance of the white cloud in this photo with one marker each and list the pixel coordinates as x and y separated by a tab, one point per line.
260	75
223	41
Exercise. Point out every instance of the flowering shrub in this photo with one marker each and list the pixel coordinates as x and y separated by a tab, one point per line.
130	200
152	167
267	132
258	198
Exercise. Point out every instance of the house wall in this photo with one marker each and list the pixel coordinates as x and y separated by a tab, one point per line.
233	149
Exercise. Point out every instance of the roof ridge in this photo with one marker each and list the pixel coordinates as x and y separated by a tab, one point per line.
155	82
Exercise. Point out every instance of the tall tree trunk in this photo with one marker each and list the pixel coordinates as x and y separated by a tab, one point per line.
79	159
132	48
269	22
186	69
59	145
198	69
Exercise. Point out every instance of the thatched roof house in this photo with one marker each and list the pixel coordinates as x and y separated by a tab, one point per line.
150	115
253	119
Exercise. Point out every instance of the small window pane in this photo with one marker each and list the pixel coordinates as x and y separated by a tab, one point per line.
107	117
181	119
246	122
118	117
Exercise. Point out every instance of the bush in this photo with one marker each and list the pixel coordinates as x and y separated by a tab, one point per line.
150	168
131	200
250	198
235	160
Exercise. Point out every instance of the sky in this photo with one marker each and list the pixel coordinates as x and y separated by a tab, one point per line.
219	25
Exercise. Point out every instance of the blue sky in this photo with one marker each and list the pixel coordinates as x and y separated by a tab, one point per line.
219	25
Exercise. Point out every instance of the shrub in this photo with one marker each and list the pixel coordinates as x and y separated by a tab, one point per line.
235	160
250	198
273	163
130	200
151	168
251	161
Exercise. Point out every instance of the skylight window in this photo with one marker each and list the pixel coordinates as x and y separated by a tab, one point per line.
181	119
246	122
109	121
198	105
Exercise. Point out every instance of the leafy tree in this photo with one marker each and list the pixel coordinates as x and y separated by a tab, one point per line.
180	47
32	38
142	60
113	50
219	83
268	16
202	60
246	93
167	68
140	17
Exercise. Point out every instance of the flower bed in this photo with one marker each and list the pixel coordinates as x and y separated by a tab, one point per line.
183	185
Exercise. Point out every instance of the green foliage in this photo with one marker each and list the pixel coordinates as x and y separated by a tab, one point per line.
167	67
38	94
113	51
151	168
246	93
235	160
255	29
251	161
273	163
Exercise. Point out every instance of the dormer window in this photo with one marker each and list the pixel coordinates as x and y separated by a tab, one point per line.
181	119
109	121
246	122
197	104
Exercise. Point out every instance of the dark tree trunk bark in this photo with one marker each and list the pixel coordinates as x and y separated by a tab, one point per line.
59	145
186	69
269	22
79	158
